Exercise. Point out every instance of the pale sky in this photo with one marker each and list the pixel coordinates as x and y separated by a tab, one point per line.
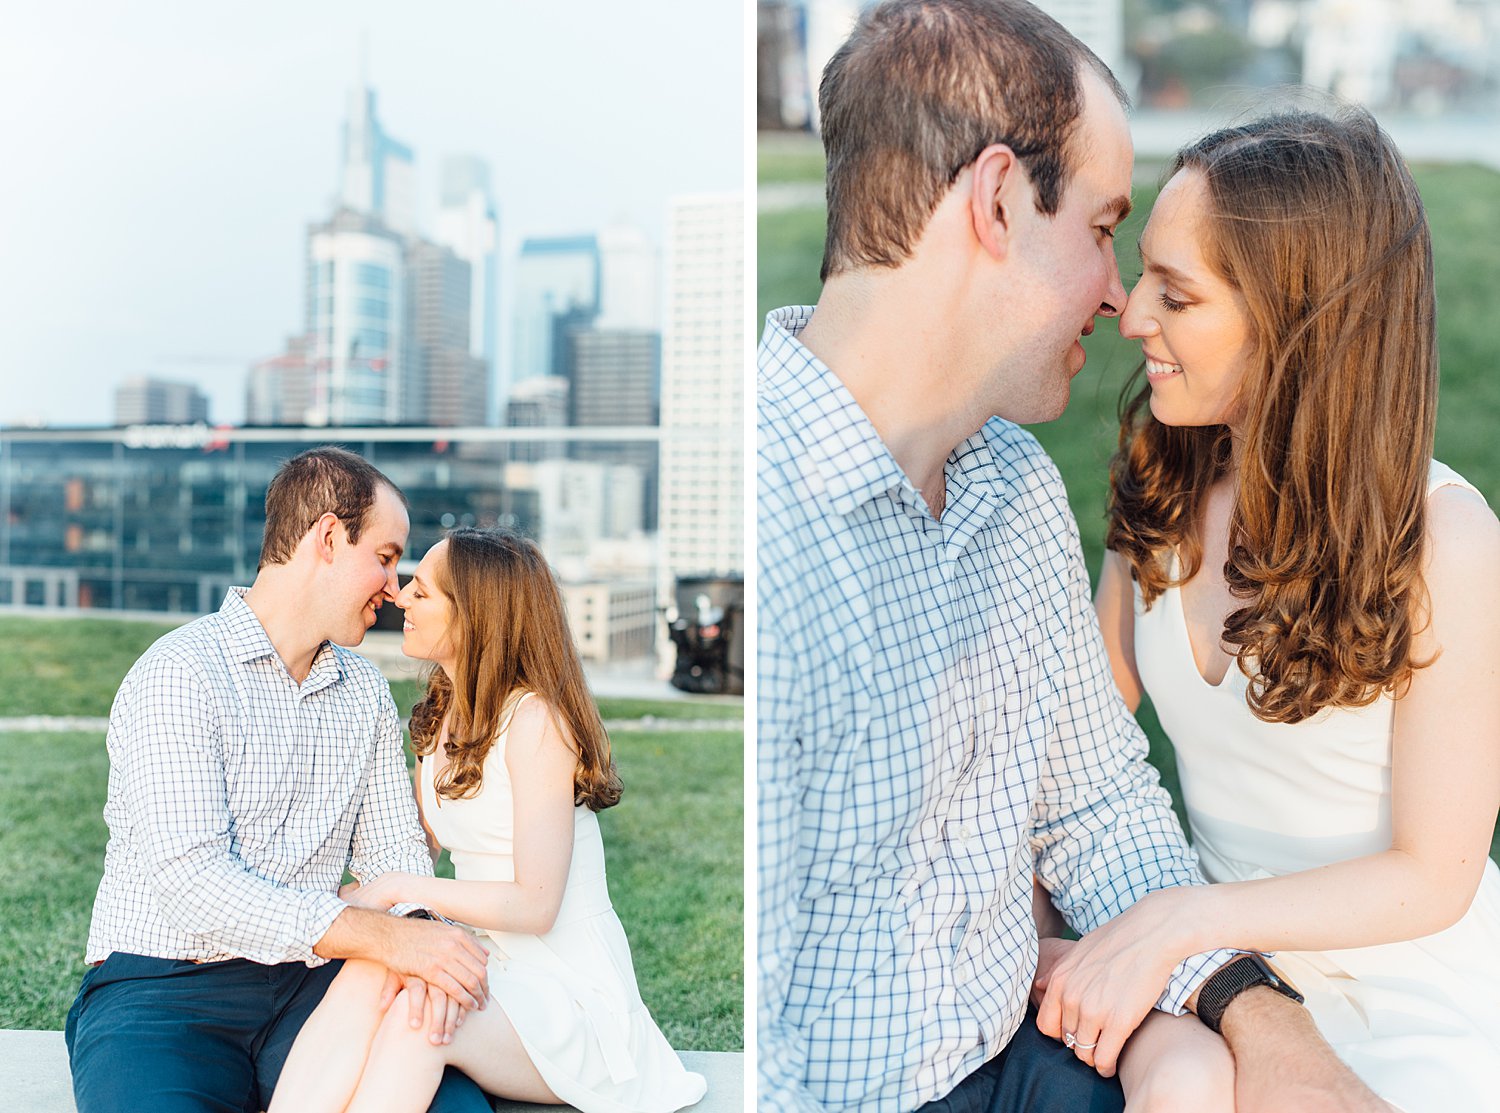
159	161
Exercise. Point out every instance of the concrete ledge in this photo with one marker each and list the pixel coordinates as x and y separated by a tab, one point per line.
724	1070
34	1077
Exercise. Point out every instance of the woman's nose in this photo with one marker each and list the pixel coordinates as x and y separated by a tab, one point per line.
1136	322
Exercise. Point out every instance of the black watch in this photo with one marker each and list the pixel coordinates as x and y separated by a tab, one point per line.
1232	979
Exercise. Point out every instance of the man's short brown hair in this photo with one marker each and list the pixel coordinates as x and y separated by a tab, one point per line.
920	88
313	483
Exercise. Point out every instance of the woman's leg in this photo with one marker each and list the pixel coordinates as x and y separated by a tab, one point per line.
329	1055
1174	1063
405	1068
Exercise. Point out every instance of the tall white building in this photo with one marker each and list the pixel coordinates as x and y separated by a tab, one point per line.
701	515
554	276
468	227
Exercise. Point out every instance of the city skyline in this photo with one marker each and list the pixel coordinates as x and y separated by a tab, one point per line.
172	167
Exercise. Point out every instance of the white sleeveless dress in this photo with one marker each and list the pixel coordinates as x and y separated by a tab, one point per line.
571	993
1418	1021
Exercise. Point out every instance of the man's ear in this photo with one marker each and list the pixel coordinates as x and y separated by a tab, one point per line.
324	532
996	186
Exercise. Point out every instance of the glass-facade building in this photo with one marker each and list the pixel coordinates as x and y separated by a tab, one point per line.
166	518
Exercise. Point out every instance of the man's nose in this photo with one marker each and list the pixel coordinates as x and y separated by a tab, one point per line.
1114	296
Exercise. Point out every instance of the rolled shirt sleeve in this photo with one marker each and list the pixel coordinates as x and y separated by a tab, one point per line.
388	834
1104	830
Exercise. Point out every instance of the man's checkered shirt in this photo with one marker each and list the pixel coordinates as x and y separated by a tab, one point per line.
237	796
936	720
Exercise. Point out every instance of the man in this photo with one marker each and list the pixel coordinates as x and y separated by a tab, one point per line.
936	716
252	759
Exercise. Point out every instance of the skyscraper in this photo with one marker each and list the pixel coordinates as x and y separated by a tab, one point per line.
702	390
445	383
468	227
379	172
554	275
356	320
629	279
614	379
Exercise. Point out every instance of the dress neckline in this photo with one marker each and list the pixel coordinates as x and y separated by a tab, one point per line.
1180	622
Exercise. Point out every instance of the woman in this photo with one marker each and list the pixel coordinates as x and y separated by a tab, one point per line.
513	764
1310	601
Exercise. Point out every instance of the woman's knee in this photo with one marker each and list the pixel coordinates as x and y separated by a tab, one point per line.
397	1030
362	972
1199	1079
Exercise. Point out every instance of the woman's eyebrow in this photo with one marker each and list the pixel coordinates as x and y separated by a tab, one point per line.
1162	269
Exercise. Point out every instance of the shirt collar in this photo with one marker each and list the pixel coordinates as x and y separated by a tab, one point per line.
852	461
247	640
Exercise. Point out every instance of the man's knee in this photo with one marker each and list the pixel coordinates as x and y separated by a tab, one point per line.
141	1037
459	1094
119	1065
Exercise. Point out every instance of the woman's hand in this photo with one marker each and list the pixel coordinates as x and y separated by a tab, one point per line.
1101	988
380	894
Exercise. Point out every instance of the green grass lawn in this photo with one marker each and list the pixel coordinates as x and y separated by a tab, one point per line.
1463	205
674	843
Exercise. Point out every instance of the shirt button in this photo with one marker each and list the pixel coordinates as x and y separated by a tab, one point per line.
964	833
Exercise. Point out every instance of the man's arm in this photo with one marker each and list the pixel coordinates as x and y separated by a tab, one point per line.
1103	831
445	958
1282	1062
781	1050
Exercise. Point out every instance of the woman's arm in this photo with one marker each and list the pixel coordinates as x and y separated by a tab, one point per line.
1445	790
434	848
541	765
1114	604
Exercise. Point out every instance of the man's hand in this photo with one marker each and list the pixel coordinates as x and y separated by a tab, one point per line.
1282	1062
443	957
448	959
1049	952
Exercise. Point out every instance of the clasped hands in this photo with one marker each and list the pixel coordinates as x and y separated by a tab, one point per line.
441	969
1099	988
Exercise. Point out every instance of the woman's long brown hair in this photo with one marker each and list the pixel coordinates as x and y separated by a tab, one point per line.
1317	223
510	635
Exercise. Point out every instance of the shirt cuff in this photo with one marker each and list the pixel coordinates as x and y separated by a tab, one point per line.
319	910
1191	972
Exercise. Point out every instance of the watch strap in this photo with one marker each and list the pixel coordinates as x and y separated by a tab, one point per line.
1233	978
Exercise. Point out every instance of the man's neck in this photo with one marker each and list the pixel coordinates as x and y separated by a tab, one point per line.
900	368
283	615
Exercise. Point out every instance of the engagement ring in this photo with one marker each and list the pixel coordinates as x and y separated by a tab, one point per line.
1070	1041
